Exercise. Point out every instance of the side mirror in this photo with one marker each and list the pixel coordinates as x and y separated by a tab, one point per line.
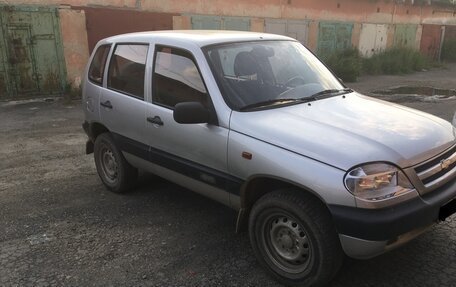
191	113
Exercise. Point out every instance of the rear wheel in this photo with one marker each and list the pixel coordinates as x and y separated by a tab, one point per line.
114	171
293	237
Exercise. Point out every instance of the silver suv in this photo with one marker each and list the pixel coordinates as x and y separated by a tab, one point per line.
258	123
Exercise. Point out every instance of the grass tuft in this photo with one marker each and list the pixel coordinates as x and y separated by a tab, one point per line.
349	65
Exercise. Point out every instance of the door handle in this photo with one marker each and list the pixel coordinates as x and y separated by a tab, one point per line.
106	104
155	120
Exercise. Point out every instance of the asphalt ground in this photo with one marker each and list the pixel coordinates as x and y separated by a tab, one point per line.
59	226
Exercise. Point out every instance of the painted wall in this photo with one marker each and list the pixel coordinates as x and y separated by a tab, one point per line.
75	48
369	11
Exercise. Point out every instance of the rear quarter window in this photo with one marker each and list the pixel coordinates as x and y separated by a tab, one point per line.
98	64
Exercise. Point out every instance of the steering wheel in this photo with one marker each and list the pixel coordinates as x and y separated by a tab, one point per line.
295	81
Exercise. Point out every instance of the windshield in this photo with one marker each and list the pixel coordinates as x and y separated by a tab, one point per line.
269	72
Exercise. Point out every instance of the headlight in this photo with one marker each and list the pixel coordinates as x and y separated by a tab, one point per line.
376	185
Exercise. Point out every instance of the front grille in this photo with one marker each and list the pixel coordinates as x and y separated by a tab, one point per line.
437	171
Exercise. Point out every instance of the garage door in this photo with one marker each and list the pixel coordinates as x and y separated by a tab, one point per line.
405	35
430	40
333	36
31	57
372	39
200	22
291	28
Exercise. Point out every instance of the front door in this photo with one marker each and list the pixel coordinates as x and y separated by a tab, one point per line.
198	151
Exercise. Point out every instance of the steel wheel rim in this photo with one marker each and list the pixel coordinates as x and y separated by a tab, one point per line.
109	165
287	243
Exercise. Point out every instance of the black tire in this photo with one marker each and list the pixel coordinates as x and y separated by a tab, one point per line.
115	172
294	238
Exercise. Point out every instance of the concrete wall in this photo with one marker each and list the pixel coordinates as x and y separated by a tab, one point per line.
368	11
75	47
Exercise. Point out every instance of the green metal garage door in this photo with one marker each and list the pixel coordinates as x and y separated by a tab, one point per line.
333	36
202	22
298	29
405	35
31	54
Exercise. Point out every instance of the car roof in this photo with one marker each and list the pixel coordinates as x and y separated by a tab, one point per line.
199	37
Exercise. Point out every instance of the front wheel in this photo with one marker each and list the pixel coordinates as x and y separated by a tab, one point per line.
293	237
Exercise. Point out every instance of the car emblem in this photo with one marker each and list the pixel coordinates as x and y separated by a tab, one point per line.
444	164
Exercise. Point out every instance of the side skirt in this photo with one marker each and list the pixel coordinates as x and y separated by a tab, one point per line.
206	190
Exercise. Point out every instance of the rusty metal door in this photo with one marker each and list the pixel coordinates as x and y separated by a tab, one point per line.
22	72
430	40
33	62
297	29
4	87
333	36
372	39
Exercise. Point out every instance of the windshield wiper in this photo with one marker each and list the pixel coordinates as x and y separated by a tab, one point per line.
269	103
330	92
281	101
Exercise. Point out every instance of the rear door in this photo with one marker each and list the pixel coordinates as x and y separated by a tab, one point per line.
122	107
94	82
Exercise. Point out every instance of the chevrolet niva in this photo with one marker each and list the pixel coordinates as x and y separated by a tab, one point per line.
258	123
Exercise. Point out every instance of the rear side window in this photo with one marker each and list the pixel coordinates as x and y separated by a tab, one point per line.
98	64
176	78
127	69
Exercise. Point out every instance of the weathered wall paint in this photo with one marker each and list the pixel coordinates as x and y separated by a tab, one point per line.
257	8
75	46
182	22
312	42
362	11
356	34
130	4
257	25
419	32
390	36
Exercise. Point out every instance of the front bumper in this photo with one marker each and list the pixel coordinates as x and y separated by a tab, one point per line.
366	233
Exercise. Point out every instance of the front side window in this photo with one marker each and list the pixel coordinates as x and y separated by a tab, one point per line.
176	78
127	69
268	73
97	66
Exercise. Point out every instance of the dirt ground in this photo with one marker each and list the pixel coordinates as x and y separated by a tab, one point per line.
441	78
60	226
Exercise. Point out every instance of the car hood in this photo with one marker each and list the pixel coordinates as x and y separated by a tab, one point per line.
344	131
